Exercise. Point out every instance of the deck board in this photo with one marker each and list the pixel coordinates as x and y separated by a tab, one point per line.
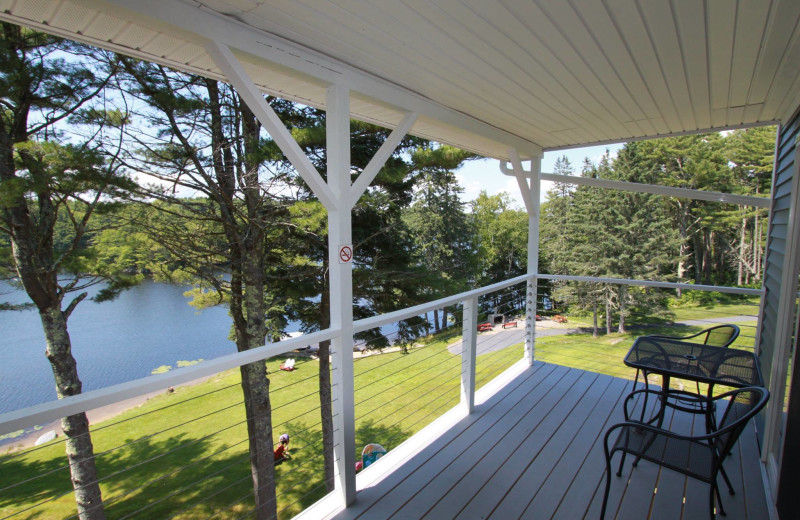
534	449
511	453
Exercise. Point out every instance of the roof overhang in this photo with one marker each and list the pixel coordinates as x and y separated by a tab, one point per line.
484	76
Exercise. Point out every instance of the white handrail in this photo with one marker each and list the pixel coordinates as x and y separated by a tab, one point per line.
55	410
402	314
647	283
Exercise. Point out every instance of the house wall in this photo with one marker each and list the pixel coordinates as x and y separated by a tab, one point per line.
777	242
779	323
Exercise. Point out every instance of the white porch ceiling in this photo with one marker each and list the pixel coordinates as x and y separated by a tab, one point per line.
484	75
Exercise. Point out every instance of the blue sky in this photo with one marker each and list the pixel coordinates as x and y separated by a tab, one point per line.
486	175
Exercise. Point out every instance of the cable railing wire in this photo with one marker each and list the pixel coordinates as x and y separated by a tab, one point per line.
117	473
393	412
377	381
174	472
398	359
448	369
127	419
106	452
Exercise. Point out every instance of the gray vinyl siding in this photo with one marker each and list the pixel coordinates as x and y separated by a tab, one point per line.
776	245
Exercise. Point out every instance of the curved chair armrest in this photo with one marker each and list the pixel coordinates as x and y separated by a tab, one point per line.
734	334
681	338
657	395
655	430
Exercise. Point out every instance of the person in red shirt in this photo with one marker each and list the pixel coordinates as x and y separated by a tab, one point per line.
282	451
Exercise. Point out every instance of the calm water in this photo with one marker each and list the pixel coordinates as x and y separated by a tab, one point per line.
146	327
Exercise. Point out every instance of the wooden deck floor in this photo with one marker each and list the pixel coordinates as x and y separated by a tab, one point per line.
533	449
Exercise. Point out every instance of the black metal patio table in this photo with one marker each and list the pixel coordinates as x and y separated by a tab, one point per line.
695	362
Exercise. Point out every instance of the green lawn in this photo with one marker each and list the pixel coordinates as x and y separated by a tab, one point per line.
184	454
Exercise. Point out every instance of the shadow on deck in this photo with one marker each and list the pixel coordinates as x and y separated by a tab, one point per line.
533	449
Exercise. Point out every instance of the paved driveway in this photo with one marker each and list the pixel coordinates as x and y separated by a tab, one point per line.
500	338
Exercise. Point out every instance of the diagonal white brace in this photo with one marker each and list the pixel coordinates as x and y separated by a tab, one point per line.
245	87
530	194
380	157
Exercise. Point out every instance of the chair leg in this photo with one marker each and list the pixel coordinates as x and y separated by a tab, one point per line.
719	500
608	486
711	502
622	463
727	480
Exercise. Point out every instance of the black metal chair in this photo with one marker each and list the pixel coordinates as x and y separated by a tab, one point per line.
699	456
718	336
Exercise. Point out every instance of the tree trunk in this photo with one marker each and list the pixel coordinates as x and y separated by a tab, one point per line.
325	398
80	452
594	316
436	320
248	309
608	317
444	319
622	309
742	251
255	387
684	246
698	259
707	256
757	251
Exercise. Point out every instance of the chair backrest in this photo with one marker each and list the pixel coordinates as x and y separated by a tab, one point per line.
721	335
743	404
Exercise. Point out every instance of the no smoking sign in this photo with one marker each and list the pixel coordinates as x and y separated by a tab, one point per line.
345	254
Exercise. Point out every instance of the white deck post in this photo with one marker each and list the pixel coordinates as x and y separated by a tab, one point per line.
341	289
530	194
469	353
338	196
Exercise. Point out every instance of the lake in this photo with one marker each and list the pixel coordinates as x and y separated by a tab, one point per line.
144	328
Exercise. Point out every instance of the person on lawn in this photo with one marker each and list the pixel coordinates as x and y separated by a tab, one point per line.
282	451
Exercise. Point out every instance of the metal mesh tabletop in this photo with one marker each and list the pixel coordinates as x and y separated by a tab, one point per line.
703	363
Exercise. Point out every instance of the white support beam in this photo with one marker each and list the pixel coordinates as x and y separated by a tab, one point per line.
380	158
341	290
530	187
681	193
194	21
469	352
245	87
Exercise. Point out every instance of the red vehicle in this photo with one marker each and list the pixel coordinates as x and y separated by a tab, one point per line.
484	326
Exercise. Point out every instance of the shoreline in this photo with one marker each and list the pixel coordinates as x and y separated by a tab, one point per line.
97	415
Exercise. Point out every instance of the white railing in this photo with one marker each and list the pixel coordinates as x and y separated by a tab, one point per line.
468	301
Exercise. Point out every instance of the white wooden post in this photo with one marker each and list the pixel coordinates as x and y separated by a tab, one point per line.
338	196
340	254
530	194
469	351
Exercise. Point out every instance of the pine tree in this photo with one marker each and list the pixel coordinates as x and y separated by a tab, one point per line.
52	186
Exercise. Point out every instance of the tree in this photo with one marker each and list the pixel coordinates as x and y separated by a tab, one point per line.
52	185
205	139
751	152
439	226
502	238
555	215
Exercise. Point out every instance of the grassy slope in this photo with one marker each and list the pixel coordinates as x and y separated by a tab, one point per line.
185	453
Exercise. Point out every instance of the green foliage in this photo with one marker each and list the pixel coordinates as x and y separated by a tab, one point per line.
501	233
